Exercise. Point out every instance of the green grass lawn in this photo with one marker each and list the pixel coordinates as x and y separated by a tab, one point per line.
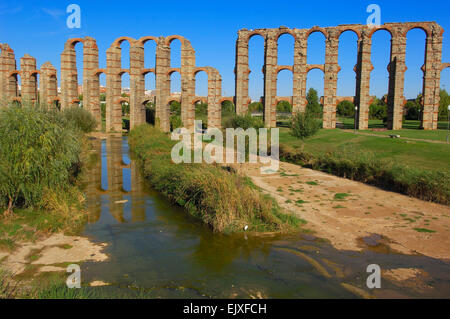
411	153
410	129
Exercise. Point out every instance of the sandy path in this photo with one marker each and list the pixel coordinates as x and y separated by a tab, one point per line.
345	211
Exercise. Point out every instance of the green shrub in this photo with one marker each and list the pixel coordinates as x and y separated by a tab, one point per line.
175	122
304	125
246	121
78	118
346	108
37	154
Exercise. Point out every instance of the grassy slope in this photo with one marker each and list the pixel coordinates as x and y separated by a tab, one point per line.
222	199
416	154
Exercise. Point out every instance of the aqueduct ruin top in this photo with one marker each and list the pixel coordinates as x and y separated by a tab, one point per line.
47	91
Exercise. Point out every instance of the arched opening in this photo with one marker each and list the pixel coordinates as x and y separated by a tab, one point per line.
201	112
125	100
175	83
414	60
102	98
201	89
18	84
175	53
379	79
175	115
149	54
284	90
316	48
201	83
314	92
150	98
79	47
256	76
285	45
125	54
228	111
346	84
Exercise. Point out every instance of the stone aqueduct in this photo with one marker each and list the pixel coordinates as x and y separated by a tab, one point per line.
48	91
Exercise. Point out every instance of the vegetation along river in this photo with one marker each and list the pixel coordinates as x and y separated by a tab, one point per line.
157	250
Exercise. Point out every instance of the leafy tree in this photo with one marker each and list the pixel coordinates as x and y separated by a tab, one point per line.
313	106
304	124
378	109
256	107
175	107
443	105
346	108
412	110
284	107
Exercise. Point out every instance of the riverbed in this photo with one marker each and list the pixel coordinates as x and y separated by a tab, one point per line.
157	250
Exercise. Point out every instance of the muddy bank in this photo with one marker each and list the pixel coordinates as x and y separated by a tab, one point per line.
52	254
355	216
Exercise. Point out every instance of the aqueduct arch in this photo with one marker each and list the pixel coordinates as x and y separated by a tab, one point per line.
431	68
48	90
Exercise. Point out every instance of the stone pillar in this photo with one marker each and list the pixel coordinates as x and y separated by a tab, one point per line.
363	69
48	85
432	78
396	70
187	84
299	73
137	85
8	82
242	72
69	75
162	84
331	69
214	93
270	81
91	84
113	90
28	78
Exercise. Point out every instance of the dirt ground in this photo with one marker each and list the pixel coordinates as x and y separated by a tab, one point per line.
352	215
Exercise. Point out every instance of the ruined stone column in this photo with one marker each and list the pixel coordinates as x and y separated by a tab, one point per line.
299	73
363	69
187	84
214	93
242	72
91	84
270	81
162	84
48	85
331	69
28	78
8	82
69	75
396	70
113	90
137	85
432	78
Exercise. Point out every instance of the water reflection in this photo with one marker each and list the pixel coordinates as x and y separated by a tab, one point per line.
157	246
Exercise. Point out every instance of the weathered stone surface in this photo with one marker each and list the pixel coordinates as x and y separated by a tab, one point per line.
69	96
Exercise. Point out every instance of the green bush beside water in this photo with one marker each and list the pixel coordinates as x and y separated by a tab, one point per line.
39	154
222	199
429	185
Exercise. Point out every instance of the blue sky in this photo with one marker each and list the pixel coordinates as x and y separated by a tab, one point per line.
39	29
